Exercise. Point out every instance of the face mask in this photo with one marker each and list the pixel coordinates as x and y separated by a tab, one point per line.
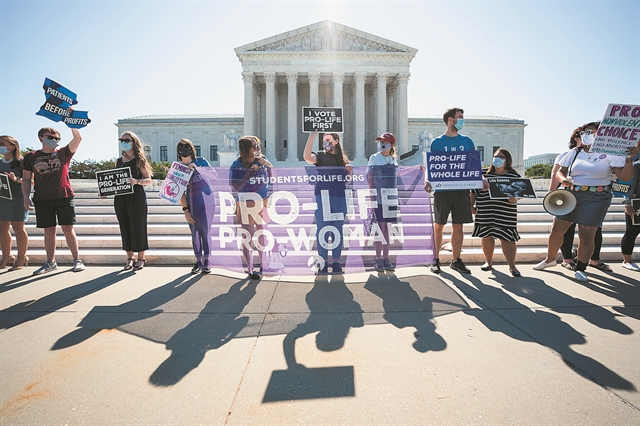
50	143
126	146
3	150
327	146
459	124
383	146
497	162
184	151
587	139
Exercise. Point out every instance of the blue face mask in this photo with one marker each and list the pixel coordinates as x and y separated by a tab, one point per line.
497	162
3	150
50	143
327	146
126	146
459	124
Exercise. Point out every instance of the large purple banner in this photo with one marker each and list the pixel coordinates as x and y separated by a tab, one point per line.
298	221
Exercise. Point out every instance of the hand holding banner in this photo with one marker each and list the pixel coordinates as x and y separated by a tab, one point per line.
57	106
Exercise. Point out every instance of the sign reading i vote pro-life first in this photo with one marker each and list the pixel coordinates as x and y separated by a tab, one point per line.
5	188
619	130
322	119
176	182
56	107
114	182
454	170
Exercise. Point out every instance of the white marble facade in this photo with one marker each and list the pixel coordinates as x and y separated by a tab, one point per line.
324	64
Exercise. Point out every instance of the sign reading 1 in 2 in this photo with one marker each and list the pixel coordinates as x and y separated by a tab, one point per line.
321	119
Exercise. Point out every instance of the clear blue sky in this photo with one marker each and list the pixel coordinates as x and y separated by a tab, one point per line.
553	64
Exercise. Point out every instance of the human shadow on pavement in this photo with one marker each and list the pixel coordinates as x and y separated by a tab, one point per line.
520	322
404	308
539	292
112	317
8	284
33	309
619	287
210	330
333	312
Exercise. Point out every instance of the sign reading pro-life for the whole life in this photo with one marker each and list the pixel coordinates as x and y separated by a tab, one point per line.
322	119
454	170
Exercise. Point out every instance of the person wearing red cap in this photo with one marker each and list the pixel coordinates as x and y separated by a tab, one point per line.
382	174
456	202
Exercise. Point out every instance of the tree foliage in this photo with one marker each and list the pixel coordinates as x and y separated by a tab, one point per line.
539	171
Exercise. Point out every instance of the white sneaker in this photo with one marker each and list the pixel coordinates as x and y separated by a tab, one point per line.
540	266
581	276
78	265
47	267
631	266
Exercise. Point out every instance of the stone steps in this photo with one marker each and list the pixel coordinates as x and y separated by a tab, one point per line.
170	238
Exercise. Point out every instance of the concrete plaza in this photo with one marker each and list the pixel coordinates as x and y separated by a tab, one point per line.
162	346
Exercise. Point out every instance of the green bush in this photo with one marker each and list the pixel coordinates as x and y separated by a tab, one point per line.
160	169
87	169
539	170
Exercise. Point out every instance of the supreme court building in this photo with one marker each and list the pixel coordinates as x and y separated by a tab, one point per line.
324	64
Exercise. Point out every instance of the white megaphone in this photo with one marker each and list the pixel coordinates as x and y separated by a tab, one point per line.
559	202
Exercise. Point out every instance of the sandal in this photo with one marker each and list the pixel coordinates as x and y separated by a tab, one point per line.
601	266
486	267
569	265
139	264
129	264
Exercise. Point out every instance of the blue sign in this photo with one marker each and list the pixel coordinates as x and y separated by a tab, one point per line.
57	106
454	170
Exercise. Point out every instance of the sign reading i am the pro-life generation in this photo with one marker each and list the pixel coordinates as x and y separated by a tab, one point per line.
114	182
57	106
322	119
454	170
176	182
5	188
619	130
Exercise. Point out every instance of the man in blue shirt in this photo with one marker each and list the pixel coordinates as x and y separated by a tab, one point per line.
456	202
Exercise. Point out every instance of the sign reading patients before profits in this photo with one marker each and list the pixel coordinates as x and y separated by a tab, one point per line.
454	170
619	130
57	106
176	182
5	188
323	120
114	182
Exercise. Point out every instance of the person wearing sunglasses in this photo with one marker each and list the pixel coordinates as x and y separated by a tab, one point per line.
586	175
53	195
131	209
249	178
198	204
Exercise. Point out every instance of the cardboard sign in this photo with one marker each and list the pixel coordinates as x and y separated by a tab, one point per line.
619	130
500	188
58	100
5	188
454	170
175	183
635	219
324	120
114	182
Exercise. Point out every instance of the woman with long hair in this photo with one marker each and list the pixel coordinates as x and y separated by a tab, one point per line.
12	212
249	173
131	209
198	204
333	162
497	218
382	173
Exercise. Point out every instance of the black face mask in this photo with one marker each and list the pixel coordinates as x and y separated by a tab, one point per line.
184	151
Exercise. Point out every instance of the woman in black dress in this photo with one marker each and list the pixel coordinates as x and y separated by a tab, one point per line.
131	209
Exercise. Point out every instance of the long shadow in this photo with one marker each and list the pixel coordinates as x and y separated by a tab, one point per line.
333	313
404	308
24	280
619	287
32	309
209	331
539	292
146	306
557	335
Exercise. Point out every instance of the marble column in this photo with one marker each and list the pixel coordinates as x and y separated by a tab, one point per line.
381	78
249	108
360	78
403	119
292	119
270	113
314	81
338	82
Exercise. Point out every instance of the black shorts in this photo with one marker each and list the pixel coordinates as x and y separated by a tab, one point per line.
455	202
47	210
